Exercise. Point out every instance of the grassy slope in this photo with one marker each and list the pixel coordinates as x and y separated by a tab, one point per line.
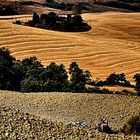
113	44
69	107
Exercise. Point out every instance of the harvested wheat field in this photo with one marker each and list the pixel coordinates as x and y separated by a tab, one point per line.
71	107
113	44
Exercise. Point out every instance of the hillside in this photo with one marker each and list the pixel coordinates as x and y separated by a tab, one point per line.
71	107
18	8
30	6
21	125
113	44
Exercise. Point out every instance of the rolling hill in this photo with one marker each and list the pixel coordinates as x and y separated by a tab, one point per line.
72	107
16	124
113	44
29	6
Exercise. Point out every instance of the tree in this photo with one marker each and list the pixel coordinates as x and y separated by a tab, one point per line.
43	18
50	1
77	21
78	77
51	19
76	9
6	72
31	84
117	79
5	10
137	80
35	19
38	79
30	74
56	77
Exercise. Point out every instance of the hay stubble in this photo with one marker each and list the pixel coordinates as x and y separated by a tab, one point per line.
113	44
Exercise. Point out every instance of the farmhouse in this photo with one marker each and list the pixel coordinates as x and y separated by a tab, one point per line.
66	14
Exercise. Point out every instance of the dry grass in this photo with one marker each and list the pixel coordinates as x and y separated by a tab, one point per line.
70	107
113	44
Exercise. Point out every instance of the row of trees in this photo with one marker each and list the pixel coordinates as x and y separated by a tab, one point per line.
53	21
118	79
113	79
6	10
29	75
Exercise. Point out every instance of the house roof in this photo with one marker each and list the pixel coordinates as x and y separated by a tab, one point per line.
65	13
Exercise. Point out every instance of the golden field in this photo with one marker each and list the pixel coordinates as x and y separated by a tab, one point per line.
112	45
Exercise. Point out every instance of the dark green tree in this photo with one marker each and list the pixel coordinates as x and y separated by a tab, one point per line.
6	72
50	1
39	79
30	73
78	77
51	19
76	9
56	78
117	79
77	21
35	19
112	79
43	18
137	80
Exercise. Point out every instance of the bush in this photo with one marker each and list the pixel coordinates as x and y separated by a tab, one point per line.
137	81
132	126
18	22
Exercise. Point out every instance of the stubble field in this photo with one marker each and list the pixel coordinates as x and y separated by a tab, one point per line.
113	44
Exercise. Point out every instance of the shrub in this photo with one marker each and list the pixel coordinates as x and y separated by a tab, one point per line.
18	22
137	81
132	126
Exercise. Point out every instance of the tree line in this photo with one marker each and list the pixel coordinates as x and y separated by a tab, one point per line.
54	21
29	75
